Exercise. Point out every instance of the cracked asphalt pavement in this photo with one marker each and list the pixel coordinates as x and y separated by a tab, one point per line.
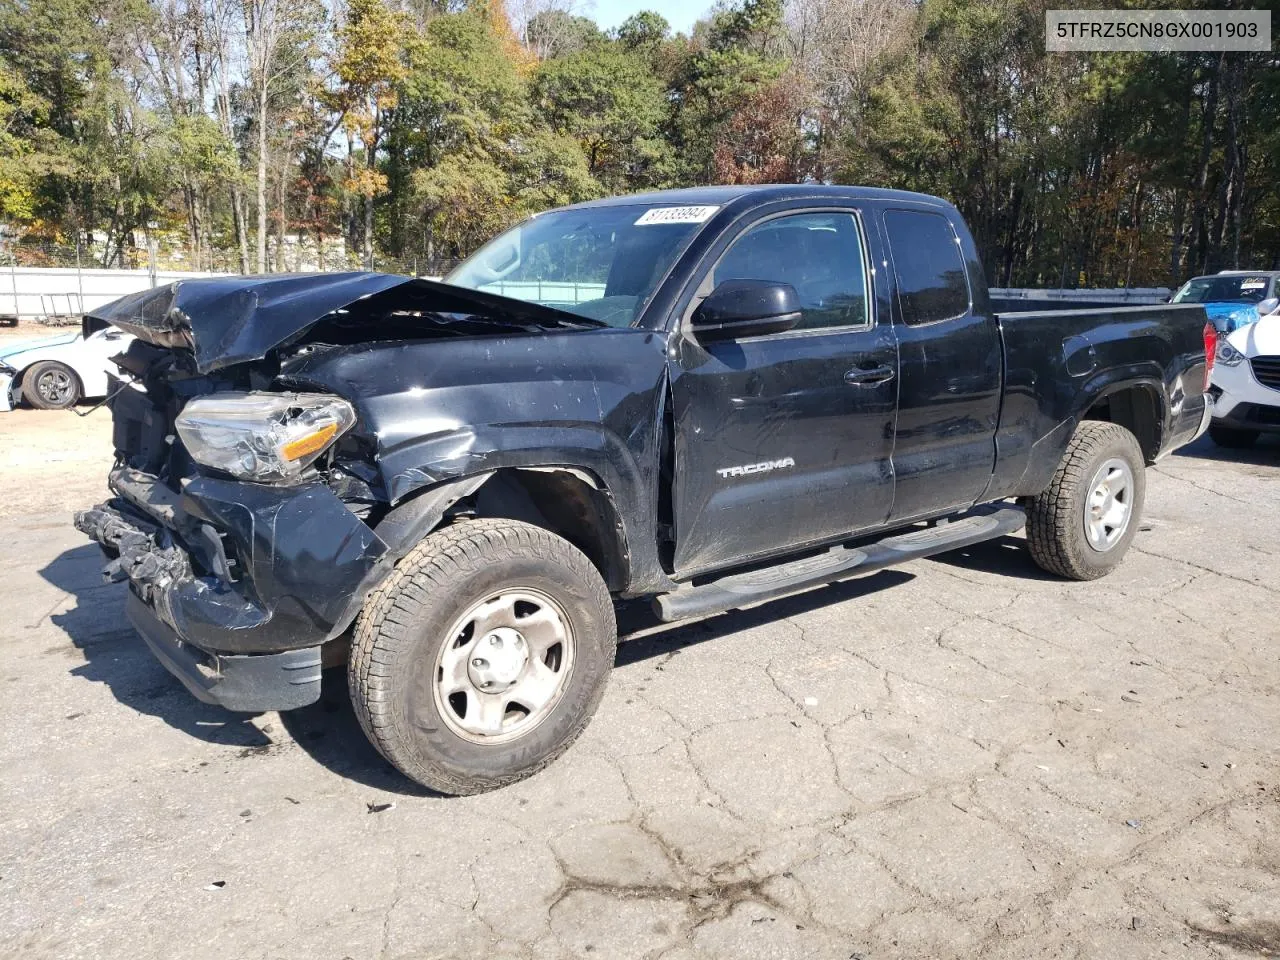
960	757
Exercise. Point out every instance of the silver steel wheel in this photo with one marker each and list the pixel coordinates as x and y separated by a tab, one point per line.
504	667
1109	506
55	386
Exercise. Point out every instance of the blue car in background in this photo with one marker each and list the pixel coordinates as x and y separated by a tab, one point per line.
1234	298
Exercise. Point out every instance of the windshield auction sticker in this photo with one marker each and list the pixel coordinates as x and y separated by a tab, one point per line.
1156	30
675	215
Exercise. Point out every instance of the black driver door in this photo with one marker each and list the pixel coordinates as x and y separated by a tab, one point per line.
785	439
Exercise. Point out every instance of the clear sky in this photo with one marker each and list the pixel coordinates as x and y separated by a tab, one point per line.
681	14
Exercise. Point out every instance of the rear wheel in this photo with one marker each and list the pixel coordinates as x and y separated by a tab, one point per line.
1081	525
483	655
1233	438
50	385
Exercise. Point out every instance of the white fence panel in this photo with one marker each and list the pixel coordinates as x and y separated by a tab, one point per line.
34	293
546	291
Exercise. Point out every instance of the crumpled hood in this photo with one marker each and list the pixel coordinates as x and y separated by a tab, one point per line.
1229	315
15	347
230	320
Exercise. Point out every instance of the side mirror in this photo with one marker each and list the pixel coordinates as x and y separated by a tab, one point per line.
1268	306
746	308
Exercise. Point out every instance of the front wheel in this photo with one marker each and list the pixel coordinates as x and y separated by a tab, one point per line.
1232	438
1081	525
483	655
50	385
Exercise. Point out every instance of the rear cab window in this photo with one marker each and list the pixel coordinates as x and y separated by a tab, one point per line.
932	282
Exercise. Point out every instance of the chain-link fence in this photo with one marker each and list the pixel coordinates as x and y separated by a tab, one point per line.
161	255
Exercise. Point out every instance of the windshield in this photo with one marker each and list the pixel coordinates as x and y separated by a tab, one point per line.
1237	288
603	263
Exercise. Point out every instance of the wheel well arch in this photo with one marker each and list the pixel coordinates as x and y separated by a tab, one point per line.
568	501
1139	408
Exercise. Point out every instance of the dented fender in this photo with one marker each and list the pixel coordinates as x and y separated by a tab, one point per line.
437	412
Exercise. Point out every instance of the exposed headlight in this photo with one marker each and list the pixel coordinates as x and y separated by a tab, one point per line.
262	436
1228	355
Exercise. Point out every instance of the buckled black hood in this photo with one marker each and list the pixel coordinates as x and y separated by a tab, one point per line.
230	320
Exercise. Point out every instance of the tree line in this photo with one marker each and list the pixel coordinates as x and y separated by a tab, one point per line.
272	135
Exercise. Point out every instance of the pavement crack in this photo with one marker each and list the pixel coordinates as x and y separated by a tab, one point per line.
397	895
1206	569
1164	472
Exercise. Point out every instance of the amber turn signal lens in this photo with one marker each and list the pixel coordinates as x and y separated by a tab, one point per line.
297	449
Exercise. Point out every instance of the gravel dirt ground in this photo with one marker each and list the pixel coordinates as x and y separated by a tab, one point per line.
50	460
959	758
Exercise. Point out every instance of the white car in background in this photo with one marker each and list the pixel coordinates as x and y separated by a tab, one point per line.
1246	384
54	373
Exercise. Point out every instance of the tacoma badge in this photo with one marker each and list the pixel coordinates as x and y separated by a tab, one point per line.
764	467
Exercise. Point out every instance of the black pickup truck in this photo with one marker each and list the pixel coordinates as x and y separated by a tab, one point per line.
704	399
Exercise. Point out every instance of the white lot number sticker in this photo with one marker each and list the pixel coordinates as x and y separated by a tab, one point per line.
1254	283
675	215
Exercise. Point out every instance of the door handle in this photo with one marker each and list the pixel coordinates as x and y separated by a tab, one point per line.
868	376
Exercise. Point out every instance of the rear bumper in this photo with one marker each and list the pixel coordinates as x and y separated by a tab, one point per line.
1205	417
235	586
1185	424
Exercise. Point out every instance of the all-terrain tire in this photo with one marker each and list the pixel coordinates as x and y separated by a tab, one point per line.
1232	438
404	625
1056	524
49	385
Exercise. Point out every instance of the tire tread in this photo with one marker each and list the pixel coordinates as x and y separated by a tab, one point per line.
32	395
1053	515
384	626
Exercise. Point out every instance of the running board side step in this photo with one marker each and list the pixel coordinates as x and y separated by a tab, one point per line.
838	563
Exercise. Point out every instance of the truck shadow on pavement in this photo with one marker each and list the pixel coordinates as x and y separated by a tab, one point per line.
650	638
115	655
1265	453
1003	556
327	730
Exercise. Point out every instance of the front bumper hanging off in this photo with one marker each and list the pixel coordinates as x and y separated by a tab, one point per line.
235	586
250	682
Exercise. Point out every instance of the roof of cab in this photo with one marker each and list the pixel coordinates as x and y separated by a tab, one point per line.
721	195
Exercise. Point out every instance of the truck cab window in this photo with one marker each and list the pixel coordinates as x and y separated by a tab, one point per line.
932	285
820	254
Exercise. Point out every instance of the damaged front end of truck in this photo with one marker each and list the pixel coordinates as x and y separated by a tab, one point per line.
259	467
